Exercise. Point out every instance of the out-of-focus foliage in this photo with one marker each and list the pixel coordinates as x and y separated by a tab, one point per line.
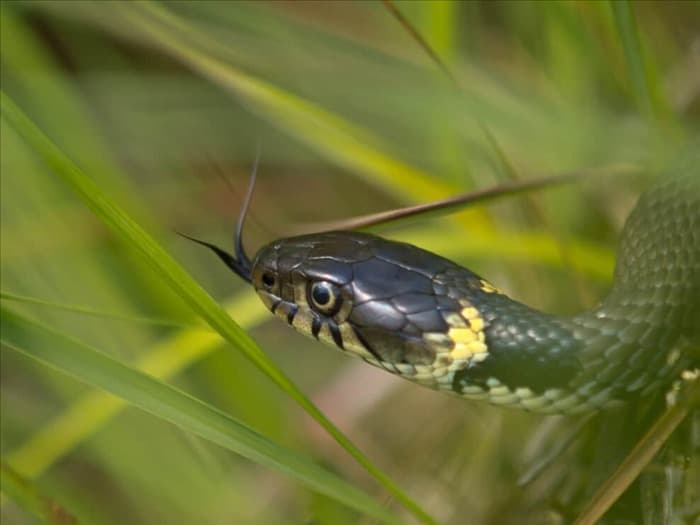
162	105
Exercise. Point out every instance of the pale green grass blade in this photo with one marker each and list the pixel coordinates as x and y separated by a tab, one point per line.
183	284
93	367
27	496
85	310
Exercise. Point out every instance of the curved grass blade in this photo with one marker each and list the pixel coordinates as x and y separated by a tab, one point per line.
173	405
184	285
85	310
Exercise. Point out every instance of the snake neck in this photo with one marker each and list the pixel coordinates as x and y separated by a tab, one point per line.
648	328
638	339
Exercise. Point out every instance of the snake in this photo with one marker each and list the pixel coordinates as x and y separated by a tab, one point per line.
431	321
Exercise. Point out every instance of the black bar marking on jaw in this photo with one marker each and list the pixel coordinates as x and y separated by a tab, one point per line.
292	312
275	305
335	332
316	326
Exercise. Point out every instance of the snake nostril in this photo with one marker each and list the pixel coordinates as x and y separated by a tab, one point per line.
268	280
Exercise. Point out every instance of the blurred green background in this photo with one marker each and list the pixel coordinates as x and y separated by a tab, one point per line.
162	105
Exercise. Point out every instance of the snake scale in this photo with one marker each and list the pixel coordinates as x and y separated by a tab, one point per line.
431	321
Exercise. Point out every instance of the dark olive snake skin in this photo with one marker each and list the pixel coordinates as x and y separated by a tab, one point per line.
423	317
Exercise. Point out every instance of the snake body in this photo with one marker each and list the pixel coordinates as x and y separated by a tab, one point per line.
431	321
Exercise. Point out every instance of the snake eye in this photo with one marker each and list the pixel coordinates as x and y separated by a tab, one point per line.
325	297
268	280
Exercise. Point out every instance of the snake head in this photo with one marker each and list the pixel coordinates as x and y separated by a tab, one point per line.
386	302
401	308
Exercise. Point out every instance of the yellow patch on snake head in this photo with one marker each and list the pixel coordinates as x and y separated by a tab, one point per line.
469	313
474	320
477	324
462	335
469	350
467	336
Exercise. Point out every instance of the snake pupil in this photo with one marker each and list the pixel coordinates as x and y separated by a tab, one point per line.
322	295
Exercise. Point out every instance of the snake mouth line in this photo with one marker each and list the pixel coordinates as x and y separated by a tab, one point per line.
368	347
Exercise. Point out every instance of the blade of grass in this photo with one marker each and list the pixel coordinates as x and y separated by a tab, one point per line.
31	499
645	92
85	310
184	285
168	403
415	34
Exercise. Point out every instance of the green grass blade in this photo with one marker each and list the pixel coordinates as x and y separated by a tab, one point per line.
93	367
85	310
646	93
183	284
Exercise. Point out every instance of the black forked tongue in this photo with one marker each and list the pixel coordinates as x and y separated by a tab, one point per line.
240	263
240	266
